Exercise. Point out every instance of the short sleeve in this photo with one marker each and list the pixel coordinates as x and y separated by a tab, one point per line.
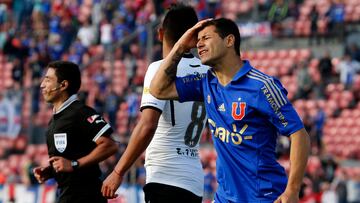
94	124
148	100
189	88
273	102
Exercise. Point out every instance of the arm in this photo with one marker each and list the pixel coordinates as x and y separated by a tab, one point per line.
139	141
105	147
163	86
299	152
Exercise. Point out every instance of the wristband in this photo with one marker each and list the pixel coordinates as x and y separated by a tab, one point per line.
117	173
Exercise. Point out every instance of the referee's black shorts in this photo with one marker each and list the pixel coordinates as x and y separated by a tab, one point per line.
82	199
83	194
161	193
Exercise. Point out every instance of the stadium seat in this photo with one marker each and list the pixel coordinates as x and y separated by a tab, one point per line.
261	54
305	54
272	54
283	54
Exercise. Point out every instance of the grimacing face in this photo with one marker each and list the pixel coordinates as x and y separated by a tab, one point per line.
50	88
211	47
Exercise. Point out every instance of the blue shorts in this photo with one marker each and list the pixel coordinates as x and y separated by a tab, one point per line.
220	199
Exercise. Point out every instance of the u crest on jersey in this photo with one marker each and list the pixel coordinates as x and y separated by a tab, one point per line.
238	110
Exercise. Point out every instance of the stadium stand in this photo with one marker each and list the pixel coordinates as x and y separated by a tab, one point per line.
114	41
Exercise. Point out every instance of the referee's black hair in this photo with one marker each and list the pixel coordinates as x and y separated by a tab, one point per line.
225	27
178	19
69	71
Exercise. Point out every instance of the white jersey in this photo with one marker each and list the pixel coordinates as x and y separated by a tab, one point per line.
172	158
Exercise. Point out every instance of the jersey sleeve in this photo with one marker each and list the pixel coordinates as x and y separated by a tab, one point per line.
94	124
273	102
147	100
189	88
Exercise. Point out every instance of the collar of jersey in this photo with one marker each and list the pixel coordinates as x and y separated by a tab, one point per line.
243	70
188	55
66	103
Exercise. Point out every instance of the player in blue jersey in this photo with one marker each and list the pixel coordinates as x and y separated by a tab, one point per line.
246	111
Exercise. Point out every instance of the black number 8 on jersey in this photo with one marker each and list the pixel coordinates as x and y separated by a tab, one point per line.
196	125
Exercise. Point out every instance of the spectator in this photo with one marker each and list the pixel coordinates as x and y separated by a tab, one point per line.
325	68
336	18
277	13
56	49
73	56
329	165
99	101
87	34
101	79
319	121
328	194
353	188
354	51
305	83
7	117
347	68
3	14
120	28
112	102
132	99
210	183
340	183
130	66
314	35
105	34
18	71
3	35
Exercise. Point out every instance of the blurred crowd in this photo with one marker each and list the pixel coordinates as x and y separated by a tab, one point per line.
113	42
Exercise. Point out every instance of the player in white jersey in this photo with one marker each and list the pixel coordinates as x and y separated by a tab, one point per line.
172	157
169	130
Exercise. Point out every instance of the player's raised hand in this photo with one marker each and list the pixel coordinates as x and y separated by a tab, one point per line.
110	185
189	39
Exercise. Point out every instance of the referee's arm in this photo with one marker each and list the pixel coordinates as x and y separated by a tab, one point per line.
105	147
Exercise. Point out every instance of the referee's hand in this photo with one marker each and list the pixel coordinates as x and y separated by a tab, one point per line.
42	173
110	185
60	164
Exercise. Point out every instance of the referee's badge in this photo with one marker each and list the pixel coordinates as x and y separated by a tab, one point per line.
208	99
60	141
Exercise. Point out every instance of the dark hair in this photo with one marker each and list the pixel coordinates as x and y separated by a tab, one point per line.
66	70
178	19
225	27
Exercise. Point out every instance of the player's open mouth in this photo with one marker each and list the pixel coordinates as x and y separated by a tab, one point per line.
202	52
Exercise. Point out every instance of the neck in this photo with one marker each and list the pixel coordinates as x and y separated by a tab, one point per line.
60	101
227	68
166	48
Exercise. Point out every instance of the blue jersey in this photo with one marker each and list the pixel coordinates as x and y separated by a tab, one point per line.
245	118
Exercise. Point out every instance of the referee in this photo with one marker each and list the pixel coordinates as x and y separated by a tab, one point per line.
77	138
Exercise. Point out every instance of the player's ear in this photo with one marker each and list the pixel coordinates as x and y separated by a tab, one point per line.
160	34
230	40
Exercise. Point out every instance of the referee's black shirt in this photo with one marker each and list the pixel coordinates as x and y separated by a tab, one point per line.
72	133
